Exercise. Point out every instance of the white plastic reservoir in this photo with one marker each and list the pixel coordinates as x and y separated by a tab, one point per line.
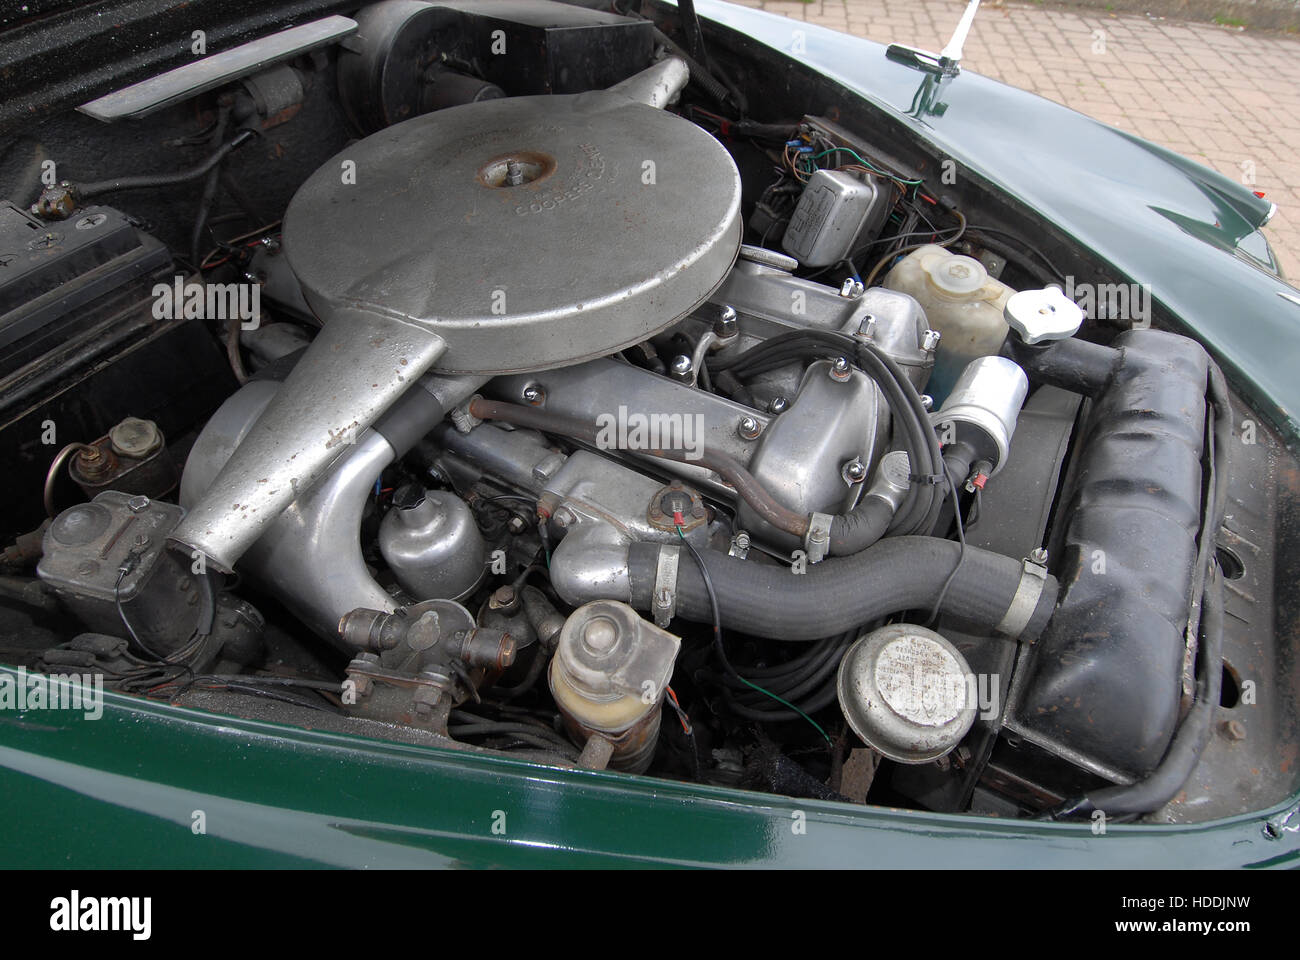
961	301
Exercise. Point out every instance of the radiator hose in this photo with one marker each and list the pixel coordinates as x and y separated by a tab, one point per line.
989	591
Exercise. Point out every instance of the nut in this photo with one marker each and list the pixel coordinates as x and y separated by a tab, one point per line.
725	326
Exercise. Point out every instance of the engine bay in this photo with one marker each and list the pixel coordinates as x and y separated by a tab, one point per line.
514	390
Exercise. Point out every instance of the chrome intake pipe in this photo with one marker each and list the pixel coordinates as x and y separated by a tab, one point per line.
310	555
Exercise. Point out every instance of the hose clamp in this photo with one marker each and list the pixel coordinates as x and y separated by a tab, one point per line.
664	602
817	541
1025	602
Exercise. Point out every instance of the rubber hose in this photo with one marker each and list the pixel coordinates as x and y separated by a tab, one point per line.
858	529
838	594
99	187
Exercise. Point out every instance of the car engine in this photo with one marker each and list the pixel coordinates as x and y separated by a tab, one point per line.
533	405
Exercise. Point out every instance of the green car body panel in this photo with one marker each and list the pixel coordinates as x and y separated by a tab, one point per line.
133	787
153	785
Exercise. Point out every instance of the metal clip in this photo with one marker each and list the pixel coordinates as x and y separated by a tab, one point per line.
817	541
665	589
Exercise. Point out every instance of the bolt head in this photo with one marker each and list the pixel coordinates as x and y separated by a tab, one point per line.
778	405
749	428
726	325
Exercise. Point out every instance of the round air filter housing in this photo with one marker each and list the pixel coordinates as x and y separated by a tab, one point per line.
527	233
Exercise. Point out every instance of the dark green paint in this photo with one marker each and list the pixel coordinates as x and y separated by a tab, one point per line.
122	790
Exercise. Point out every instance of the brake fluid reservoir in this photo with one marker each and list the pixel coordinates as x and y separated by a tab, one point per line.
961	301
609	675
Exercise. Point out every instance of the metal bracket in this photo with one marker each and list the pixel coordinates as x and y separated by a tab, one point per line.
665	589
817	540
1025	602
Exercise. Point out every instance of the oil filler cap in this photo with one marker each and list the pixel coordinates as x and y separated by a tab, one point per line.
907	692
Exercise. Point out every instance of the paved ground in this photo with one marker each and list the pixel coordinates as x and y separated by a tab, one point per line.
1227	98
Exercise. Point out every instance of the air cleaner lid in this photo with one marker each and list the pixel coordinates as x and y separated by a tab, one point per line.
528	233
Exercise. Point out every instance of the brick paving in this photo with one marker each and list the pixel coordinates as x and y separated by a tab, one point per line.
1224	97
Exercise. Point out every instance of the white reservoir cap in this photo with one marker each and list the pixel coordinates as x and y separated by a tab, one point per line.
1038	316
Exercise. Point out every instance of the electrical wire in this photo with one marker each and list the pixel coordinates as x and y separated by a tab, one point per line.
961	554
889	257
121	612
229	245
1023	245
868	164
717	639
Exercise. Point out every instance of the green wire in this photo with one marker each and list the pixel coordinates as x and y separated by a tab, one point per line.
867	163
767	693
